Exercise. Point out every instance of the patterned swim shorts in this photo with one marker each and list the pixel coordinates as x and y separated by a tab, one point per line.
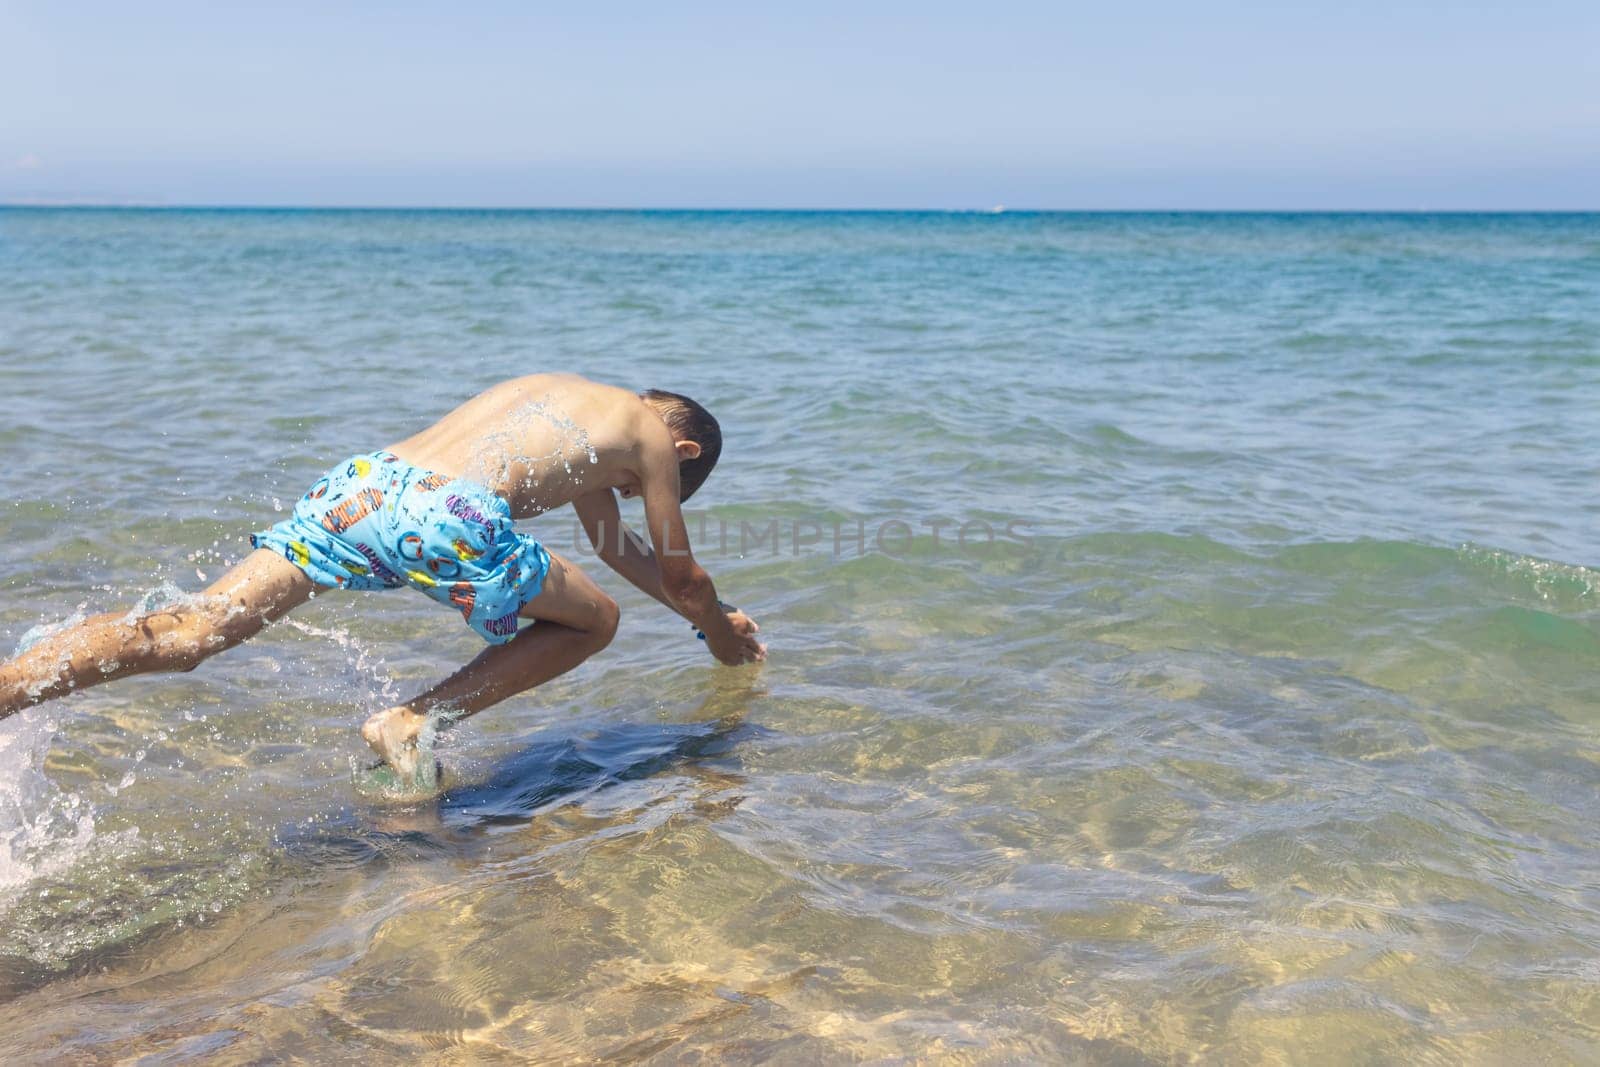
376	522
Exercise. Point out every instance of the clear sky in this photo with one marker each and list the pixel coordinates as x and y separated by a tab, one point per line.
1119	104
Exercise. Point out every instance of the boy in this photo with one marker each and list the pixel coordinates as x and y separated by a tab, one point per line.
434	512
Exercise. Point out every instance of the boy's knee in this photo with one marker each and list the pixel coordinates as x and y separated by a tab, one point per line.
609	615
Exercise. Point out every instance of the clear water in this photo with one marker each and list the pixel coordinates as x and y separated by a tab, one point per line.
1272	732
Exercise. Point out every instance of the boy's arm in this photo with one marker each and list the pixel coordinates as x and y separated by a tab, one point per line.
684	583
621	549
629	555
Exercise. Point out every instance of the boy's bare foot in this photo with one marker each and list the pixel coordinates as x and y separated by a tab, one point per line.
393	736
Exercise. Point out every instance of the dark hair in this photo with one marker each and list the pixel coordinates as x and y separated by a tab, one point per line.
688	421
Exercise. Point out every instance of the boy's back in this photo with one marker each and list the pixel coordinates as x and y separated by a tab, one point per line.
539	441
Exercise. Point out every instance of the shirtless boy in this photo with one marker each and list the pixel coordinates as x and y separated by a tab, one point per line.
435	512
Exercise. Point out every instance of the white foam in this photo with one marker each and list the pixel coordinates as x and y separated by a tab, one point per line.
1550	579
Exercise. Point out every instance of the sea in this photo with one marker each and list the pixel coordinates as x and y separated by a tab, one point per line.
1184	645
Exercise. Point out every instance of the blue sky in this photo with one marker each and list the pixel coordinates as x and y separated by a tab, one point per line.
1221	104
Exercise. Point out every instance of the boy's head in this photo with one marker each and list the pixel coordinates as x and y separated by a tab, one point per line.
697	434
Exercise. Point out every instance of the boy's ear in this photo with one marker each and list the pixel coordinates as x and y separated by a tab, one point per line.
688	450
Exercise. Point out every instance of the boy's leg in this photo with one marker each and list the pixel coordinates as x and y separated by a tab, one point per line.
262	587
574	619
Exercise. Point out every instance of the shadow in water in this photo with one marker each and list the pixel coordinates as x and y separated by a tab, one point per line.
562	769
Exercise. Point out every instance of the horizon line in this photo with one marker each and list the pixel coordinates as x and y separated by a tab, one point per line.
998	209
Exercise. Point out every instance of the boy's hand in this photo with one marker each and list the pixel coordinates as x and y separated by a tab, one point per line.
739	645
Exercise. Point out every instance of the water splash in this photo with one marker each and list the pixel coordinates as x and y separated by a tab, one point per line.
165	597
34	634
43	831
383	782
505	449
365	664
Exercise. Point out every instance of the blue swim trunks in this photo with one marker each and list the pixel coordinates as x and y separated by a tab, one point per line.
377	522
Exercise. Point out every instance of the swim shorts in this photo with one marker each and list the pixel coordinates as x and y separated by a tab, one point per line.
377	522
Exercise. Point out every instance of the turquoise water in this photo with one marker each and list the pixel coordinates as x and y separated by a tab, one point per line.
1264	726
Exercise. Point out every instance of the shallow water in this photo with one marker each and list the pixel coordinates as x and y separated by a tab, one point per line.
1266	729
